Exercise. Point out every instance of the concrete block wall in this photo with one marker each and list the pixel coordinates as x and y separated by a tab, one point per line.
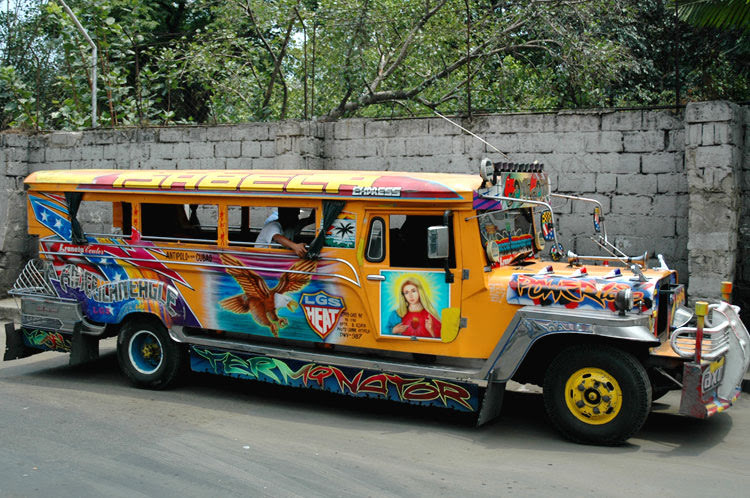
632	162
646	167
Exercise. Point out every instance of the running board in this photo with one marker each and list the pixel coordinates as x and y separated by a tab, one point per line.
468	375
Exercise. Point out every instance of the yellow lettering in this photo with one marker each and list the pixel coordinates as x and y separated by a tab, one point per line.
138	179
183	180
264	182
335	182
303	183
221	181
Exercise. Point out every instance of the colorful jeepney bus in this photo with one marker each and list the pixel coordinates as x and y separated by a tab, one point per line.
422	288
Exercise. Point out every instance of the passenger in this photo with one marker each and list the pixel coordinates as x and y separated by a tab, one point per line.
281	231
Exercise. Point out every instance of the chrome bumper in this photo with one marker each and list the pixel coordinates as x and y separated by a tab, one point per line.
715	383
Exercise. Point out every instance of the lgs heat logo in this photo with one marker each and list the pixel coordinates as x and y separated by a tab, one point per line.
322	311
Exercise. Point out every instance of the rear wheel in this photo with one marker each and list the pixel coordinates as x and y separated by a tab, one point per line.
148	356
597	394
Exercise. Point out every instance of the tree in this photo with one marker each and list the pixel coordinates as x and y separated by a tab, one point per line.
722	14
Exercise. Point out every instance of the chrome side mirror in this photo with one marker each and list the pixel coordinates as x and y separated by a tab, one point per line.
437	242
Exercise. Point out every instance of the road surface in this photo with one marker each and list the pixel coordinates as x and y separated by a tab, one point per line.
84	431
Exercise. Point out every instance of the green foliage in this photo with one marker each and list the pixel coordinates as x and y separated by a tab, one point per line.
722	14
171	61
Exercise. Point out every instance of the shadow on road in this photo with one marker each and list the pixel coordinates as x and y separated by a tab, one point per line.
522	423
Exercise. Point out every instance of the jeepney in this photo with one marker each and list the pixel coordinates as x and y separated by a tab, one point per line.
430	289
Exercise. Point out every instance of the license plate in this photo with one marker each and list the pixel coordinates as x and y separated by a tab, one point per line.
713	375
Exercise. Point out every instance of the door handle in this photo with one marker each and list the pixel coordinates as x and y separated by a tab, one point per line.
375	277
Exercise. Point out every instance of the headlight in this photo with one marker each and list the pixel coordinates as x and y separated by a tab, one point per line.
624	301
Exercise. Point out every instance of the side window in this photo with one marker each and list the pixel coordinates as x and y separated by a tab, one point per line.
186	222
408	241
246	223
375	252
104	218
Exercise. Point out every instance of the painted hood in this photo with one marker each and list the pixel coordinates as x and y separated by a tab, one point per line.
576	289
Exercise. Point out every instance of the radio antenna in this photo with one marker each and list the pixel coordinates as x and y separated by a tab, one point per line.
473	135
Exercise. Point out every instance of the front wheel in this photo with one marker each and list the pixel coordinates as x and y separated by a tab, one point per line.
597	394
148	356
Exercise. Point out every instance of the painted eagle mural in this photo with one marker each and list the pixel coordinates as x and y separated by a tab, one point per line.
258	299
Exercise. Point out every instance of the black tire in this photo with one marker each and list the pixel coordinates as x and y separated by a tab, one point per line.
597	394
148	356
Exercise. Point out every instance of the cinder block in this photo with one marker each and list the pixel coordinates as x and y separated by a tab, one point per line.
380	129
439	127
575	183
643	141
637	184
577	121
661	162
219	133
633	204
15	140
250	148
717	155
92	153
622	120
671	183
268	148
200	150
424	146
361	147
718	110
55	154
707	135
606	183
249	132
530	123
676	140
536	142
64	138
171	135
396	147
605	141
350	128
166	151
16	168
664	119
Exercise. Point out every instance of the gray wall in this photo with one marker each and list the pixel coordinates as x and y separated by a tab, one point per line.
670	181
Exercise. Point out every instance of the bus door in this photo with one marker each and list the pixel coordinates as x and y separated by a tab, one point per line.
410	295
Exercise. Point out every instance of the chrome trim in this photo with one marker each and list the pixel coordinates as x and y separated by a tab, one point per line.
682	315
716	335
586	199
468	375
518	199
377	278
531	323
54	313
354	281
33	281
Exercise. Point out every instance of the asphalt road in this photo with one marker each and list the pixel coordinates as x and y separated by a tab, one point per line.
84	431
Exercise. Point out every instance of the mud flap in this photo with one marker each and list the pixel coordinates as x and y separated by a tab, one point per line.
15	347
699	390
84	348
492	402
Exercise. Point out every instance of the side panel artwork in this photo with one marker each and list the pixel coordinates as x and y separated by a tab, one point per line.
341	380
46	340
411	303
112	278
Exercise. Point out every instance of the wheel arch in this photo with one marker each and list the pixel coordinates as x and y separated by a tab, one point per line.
536	335
543	350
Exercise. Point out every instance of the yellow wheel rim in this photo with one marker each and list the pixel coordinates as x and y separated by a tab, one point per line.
593	396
